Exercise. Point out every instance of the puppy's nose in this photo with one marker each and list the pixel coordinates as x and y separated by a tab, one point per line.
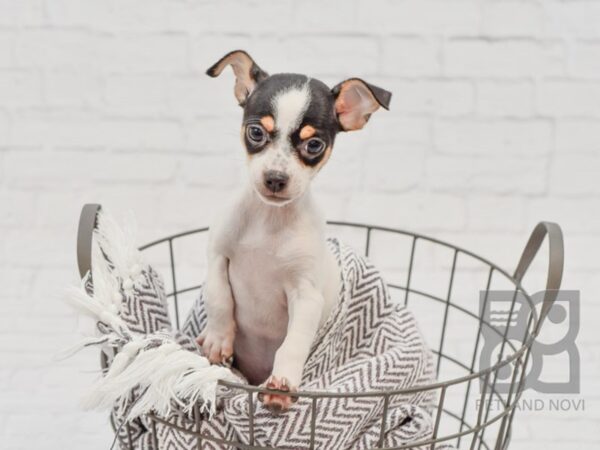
276	181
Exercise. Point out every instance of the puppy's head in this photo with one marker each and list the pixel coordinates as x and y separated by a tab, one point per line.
290	123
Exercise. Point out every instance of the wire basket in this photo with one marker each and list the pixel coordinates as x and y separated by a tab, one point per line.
476	403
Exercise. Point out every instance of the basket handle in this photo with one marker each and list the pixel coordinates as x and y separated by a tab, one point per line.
85	233
555	261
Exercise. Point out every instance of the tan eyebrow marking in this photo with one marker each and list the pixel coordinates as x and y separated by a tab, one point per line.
268	123
306	132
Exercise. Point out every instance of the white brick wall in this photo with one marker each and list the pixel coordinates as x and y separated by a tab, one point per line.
494	125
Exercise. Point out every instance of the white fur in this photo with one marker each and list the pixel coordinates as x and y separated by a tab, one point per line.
289	107
271	283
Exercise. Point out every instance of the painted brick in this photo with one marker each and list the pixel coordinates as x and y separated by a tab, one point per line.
578	136
512	18
585	60
30	13
573	19
7	49
73	88
444	98
496	174
47	48
410	56
146	53
507	58
429	17
575	175
508	99
499	137
569	98
20	88
136	94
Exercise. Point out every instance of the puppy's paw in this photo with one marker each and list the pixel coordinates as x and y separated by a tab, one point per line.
275	402
217	346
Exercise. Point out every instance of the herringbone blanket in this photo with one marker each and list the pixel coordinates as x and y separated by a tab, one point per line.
369	343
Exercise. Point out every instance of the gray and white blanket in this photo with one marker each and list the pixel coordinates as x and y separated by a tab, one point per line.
369	343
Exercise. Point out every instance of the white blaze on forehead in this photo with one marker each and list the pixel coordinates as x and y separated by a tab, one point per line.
289	107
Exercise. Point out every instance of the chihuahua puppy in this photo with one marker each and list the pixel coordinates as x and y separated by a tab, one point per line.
271	279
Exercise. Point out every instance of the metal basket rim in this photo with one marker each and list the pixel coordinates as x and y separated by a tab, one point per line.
423	388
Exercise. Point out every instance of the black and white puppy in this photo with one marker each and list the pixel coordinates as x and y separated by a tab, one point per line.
271	280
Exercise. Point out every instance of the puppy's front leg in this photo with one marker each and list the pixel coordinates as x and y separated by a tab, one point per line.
217	337
305	307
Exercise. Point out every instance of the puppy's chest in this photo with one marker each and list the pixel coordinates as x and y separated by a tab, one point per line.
262	262
257	275
259	258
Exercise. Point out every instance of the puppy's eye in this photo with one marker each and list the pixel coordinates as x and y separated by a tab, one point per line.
314	146
256	134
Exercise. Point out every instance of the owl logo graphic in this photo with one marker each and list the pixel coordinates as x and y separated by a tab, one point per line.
555	341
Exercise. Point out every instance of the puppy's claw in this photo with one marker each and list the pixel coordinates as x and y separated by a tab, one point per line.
227	360
216	347
272	383
277	403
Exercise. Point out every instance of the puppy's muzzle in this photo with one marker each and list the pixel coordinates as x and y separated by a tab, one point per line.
275	181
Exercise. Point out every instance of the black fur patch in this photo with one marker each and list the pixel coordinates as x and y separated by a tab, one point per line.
320	113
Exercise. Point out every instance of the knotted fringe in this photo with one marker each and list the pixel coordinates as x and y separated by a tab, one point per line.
167	373
119	246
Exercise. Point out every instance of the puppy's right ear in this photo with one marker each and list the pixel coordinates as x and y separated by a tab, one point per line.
247	73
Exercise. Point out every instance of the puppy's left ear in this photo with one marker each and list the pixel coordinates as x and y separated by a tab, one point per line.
247	73
356	100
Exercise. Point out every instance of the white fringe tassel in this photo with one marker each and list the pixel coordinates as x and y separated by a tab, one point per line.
165	372
119	245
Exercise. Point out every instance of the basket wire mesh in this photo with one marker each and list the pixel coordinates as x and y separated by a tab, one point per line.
475	428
